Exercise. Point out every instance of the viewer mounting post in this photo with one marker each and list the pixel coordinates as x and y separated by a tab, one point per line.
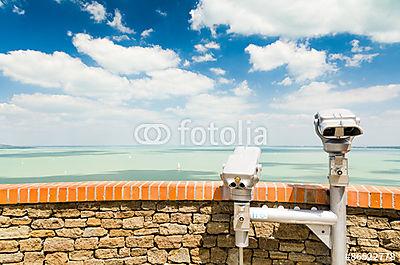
337	129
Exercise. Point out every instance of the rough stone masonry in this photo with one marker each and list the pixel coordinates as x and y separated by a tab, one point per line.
173	232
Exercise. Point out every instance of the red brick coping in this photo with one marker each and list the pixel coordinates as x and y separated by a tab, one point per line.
358	196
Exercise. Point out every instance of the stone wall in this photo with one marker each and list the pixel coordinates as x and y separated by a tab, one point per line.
170	232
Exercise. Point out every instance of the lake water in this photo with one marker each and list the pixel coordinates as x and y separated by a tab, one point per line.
376	166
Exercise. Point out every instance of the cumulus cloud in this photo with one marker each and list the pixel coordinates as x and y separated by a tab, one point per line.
161	13
118	24
358	57
304	18
355	60
59	70
146	33
171	82
121	38
213	107
356	47
321	95
97	11
287	81
77	106
217	71
243	90
205	55
224	81
50	103
125	60
202	48
208	57
62	119
302	62
71	75
18	10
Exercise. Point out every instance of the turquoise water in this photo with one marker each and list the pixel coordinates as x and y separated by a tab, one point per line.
377	166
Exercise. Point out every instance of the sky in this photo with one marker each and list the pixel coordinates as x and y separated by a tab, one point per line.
89	72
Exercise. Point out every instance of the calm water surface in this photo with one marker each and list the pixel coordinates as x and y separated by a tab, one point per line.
377	166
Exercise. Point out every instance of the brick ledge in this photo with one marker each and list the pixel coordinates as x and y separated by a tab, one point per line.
358	195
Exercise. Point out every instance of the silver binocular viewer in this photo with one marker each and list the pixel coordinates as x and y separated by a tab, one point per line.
337	128
242	172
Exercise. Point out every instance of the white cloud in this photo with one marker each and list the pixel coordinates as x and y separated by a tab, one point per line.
10	113
208	57
380	127
18	10
171	82
161	13
344	83
357	58
202	48
121	38
354	61
243	90
320	95
212	45
213	107
355	47
146	33
304	18
1	4
125	60
61	119
217	71
52	103
97	11
59	70
69	33
224	81
287	81
186	63
302	62
117	23
78	107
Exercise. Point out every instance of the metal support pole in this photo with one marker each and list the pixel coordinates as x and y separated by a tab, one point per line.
338	199
240	255
241	226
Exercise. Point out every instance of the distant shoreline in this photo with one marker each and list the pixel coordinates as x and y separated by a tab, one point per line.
5	146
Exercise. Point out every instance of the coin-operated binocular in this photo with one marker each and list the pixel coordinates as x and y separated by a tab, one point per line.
242	172
337	128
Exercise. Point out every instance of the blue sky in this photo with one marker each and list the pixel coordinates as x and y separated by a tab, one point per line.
87	72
